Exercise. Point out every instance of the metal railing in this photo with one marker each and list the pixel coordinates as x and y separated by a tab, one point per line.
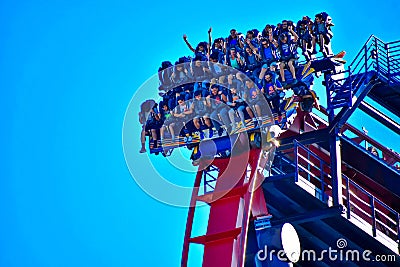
359	202
391	157
375	57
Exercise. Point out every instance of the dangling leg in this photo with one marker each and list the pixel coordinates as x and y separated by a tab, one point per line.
143	140
292	69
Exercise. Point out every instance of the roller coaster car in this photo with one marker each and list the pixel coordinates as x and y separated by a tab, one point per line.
304	97
191	140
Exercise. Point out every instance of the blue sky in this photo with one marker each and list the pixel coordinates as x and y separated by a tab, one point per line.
68	70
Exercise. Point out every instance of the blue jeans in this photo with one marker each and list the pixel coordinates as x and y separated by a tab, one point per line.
223	112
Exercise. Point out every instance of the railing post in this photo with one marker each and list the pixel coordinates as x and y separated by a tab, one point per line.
322	180
351	83
348	197
308	167
372	202
398	229
377	56
366	57
296	161
388	62
336	167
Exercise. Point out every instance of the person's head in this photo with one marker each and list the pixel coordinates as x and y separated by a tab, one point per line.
373	150
219	42
233	89
233	33
165	106
181	101
214	89
265	43
201	47
248	50
303	24
249	83
197	95
268	76
233	51
285	24
319	18
197	63
214	57
250	34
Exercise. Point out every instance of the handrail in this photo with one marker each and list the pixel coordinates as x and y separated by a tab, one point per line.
378	56
386	152
370	206
371	141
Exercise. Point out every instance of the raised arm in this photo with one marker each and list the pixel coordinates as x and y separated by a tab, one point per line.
239	58
255	49
188	44
241	45
209	41
296	37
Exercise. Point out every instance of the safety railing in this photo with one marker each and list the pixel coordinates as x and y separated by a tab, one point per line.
391	157
359	202
375	57
380	216
311	167
378	56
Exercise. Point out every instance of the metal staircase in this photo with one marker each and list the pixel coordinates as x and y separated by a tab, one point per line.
310	172
376	63
321	162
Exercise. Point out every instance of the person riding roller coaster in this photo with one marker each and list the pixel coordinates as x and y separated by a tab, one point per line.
210	65
287	50
323	33
273	92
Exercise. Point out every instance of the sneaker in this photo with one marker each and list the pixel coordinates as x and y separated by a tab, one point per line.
142	150
220	131
206	133
201	135
211	133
